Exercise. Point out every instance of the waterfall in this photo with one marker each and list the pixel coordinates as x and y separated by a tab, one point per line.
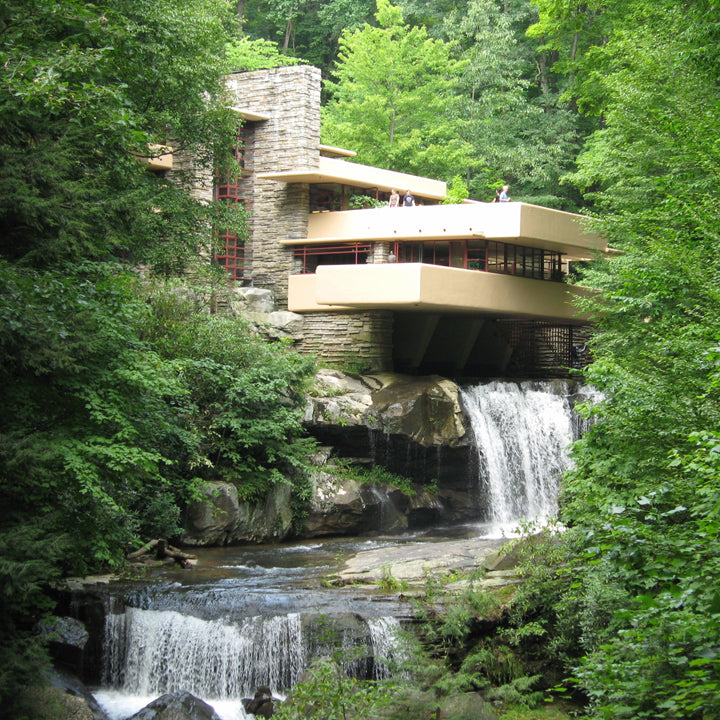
522	432
388	651
157	651
149	652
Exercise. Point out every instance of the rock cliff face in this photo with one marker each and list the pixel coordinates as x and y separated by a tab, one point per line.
411	426
221	519
425	410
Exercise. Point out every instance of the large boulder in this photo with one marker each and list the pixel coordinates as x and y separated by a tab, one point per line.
412	426
283	324
424	705
177	706
219	518
343	506
252	301
51	703
268	520
212	519
262	704
466	706
338	399
426	409
67	638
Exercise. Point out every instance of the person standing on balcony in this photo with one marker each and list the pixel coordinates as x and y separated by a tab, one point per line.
394	198
504	194
408	200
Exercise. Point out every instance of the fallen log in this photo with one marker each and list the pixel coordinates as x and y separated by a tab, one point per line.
163	550
160	549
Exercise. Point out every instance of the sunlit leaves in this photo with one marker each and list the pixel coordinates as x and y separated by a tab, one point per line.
85	89
394	96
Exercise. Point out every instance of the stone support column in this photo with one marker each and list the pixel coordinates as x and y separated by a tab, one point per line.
361	341
289	139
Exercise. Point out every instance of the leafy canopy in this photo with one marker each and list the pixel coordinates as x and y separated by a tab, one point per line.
634	605
393	97
86	90
118	395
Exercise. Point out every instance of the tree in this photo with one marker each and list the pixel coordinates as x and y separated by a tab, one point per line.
639	607
97	447
566	32
87	90
394	98
244	55
312	29
519	132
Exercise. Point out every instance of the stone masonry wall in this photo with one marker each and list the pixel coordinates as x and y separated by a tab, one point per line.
288	140
362	339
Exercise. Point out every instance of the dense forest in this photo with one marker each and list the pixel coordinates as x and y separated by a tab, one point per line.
120	391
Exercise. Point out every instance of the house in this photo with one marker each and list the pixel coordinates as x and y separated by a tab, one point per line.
471	289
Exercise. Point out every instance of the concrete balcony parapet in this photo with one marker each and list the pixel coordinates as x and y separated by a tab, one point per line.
517	223
343	172
432	288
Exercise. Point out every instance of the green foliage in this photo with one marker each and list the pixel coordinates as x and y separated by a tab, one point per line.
471	97
29	559
630	602
510	113
307	30
389	582
457	191
393	96
327	693
245	397
86	441
117	397
518	691
244	54
375	475
358	202
462	611
86	89
90	416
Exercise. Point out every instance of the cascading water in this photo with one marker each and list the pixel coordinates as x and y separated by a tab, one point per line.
246	625
260	616
387	651
149	652
522	432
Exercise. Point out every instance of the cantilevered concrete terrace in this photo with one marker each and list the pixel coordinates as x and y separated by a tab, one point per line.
420	287
499	260
514	222
333	171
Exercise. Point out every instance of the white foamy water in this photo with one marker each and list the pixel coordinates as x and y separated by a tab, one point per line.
388	650
158	651
120	705
152	652
522	433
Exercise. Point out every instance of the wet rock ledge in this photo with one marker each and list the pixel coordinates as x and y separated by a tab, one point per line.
413	427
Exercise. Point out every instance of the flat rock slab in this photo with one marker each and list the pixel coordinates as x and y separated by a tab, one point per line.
412	563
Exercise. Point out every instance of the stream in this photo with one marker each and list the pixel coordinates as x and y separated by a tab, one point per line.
250	616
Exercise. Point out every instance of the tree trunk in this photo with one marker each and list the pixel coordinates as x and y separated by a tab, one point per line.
162	551
240	12
288	34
